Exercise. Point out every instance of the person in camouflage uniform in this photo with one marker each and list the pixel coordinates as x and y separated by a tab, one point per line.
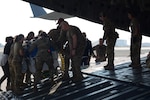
64	51
110	36
136	38
76	43
54	35
17	63
100	51
43	55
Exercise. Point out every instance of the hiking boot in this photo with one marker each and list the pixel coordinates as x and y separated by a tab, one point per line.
77	79
8	88
23	85
18	92
130	65
35	89
65	78
135	66
108	67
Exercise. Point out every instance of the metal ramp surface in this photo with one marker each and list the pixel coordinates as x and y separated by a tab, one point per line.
124	83
91	88
94	88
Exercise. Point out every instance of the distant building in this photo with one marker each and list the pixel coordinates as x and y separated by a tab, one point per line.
1	45
145	44
121	43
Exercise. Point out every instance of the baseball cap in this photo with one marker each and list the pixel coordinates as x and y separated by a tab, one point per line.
60	20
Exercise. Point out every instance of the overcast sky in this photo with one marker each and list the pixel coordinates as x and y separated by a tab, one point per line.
16	19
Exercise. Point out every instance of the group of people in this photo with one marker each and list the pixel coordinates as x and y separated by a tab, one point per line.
98	52
103	51
110	36
26	56
71	43
24	53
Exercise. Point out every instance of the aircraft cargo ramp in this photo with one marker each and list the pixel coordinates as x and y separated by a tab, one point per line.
122	84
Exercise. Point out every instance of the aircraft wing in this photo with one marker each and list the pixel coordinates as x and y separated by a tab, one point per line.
55	16
39	12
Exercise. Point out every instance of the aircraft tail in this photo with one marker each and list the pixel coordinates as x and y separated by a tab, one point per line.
39	12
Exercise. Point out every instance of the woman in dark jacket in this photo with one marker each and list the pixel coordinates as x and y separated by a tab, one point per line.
5	68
